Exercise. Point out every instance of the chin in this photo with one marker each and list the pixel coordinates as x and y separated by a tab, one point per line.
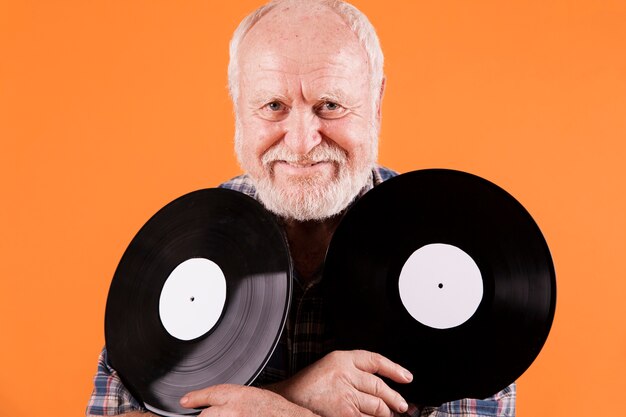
307	198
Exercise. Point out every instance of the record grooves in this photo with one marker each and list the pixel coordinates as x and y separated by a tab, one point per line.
472	337
213	230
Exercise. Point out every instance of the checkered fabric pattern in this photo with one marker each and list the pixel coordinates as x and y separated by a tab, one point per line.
304	340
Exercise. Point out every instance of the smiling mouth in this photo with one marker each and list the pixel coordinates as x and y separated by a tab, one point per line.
299	168
300	164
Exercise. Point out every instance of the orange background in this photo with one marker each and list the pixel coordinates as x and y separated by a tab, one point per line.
110	109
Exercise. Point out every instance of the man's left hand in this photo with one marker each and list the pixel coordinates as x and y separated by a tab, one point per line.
347	384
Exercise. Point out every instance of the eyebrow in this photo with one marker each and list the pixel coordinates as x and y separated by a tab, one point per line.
262	97
336	96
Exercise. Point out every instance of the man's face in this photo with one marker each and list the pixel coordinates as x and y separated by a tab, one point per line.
306	119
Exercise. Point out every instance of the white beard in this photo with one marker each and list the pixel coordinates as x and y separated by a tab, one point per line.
313	197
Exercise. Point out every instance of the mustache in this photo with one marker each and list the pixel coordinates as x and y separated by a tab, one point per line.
323	152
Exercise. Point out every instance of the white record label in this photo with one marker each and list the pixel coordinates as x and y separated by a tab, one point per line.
192	298
440	286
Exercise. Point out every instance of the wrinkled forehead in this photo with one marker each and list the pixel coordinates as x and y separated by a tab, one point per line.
301	33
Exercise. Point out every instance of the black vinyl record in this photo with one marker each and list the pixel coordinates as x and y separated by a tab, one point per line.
199	298
446	274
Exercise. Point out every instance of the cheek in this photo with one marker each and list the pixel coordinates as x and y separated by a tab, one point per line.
256	138
353	137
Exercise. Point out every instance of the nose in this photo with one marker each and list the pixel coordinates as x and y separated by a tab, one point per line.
302	131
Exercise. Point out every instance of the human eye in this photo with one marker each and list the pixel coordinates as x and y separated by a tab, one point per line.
275	106
331	110
274	110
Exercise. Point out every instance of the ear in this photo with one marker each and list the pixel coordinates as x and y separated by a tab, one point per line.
379	110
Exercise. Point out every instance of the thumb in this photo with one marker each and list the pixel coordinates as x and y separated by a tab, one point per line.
214	395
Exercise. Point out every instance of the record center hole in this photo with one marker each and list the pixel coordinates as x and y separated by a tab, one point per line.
440	286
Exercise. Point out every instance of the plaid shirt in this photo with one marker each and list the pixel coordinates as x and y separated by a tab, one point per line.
303	341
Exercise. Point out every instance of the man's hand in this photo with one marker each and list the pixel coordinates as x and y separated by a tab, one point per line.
242	401
344	384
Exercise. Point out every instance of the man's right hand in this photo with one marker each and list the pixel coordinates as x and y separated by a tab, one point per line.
228	400
345	383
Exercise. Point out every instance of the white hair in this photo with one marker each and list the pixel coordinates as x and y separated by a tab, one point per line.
353	17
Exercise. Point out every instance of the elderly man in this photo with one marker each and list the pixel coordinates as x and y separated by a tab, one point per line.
307	84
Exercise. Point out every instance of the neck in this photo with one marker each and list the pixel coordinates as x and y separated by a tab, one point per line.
308	243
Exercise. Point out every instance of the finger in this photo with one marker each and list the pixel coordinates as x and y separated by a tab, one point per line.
375	387
372	405
378	364
213	411
215	395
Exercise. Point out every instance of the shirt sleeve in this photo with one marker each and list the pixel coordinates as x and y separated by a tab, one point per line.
500	405
109	396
